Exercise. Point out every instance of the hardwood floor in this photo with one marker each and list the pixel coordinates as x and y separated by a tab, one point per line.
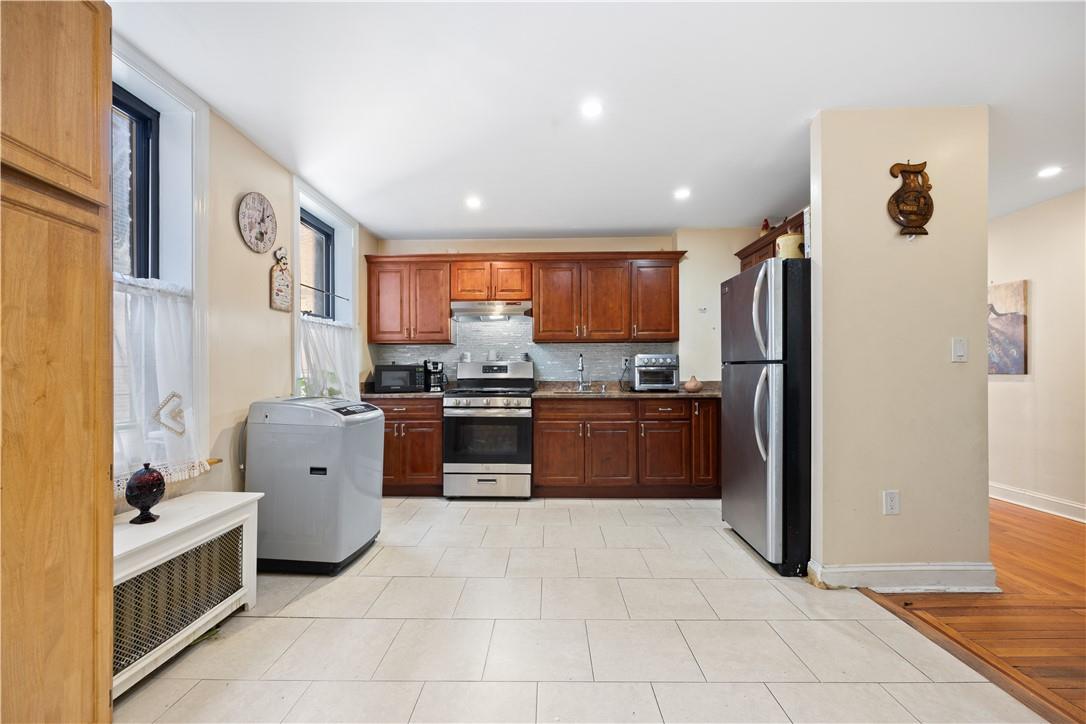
1031	638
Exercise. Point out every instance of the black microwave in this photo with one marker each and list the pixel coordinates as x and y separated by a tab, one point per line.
399	378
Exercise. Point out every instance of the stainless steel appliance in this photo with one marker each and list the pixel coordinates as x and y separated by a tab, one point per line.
655	372
488	430
399	378
490	310
765	317
435	375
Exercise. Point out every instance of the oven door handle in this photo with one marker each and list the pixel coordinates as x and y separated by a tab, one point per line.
488	412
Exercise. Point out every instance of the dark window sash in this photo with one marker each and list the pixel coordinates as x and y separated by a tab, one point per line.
145	252
328	295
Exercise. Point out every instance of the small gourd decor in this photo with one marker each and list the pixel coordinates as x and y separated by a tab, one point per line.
145	488
693	384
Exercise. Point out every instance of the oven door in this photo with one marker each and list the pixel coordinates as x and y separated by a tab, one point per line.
656	378
501	440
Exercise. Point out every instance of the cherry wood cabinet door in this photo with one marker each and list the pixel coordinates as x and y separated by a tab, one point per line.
393	457
558	450
470	280
655	300
430	314
421	444
389	294
665	452
610	453
605	300
706	432
556	306
511	281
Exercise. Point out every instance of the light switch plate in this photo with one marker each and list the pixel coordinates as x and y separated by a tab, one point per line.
959	349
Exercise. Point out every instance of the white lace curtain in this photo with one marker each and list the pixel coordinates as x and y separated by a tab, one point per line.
329	358
153	396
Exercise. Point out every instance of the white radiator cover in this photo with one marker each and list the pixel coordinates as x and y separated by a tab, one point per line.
176	578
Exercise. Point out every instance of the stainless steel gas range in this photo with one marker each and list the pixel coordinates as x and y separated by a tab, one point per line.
488	430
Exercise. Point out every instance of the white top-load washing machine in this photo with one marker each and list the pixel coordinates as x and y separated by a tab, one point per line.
319	463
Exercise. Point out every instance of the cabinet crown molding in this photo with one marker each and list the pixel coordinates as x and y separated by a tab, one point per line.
530	256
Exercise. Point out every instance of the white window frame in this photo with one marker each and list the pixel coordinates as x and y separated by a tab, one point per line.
146	79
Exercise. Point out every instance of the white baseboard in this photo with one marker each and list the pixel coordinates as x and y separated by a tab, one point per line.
979	577
1038	501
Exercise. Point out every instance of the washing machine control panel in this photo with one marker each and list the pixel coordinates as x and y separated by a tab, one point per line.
356	409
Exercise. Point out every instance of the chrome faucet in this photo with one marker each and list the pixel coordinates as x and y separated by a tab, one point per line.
581	384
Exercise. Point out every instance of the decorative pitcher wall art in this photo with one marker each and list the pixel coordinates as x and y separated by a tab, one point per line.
911	206
281	282
1007	333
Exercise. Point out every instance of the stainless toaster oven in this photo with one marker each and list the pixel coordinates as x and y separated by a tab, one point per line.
656	372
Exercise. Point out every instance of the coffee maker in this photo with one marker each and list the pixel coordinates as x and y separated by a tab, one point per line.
435	375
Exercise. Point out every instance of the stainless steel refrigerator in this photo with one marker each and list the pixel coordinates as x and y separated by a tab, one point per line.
765	315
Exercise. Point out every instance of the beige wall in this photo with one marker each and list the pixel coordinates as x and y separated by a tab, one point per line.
572	243
1037	421
710	259
890	409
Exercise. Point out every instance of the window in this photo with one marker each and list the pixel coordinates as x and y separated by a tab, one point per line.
316	267
135	185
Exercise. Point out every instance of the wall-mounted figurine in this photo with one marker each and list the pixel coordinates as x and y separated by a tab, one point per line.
911	206
281	282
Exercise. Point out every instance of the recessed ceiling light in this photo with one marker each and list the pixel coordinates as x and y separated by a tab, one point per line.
1049	171
591	108
473	202
682	193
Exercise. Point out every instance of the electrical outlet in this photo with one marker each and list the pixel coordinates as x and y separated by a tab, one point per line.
625	362
891	502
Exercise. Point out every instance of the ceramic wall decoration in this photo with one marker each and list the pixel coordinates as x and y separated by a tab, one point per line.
281	282
145	488
256	221
911	206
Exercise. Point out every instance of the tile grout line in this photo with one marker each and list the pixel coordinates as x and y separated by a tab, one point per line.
795	653
772	693
388	648
899	701
588	645
489	643
418	697
691	650
894	649
308	686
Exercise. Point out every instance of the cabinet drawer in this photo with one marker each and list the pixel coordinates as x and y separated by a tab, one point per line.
398	408
666	409
584	409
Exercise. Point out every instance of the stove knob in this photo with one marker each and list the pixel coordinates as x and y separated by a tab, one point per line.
485	403
458	403
507	403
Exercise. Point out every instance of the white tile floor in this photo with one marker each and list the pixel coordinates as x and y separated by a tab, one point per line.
559	611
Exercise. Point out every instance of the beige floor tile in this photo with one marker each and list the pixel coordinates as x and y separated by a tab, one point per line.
742	563
402	534
696	537
718	703
818	603
611	563
473	562
356	701
712	503
396	561
443	517
437	650
596	702
519	504
699	516
387	503
663	502
538	651
737	651
418	598
582	598
616	503
680	563
458	536
242	648
572	536
544	516
491	516
649	598
542	563
596	516
649	516
499	598
342	597
362	561
936	663
567	503
844	651
960	703
336	649
236	701
470	503
421	502
275	590
150	699
476	701
617	536
513	536
753	600
640	651
832	703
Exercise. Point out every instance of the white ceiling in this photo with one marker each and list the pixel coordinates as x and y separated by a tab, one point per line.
397	112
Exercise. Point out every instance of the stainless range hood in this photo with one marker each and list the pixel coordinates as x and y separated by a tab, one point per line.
492	310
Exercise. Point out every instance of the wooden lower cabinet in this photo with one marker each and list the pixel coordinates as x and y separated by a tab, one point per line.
610	453
414	436
705	429
558	453
420	452
665	452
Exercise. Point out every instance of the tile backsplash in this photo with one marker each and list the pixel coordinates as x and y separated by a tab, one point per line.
553	361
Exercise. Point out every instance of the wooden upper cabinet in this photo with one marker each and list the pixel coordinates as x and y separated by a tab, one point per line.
605	294
470	280
557	307
511	281
389	302
655	300
430	303
56	99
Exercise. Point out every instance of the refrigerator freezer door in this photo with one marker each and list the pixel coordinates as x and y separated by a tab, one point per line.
752	439
751	314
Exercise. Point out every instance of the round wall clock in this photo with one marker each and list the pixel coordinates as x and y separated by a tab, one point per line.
256	220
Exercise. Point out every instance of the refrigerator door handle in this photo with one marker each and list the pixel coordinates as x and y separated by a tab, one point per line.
755	303
758	393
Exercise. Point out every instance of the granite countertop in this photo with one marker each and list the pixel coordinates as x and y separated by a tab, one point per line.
566	390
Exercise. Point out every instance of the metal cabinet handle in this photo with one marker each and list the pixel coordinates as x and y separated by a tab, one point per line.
580	429
395	430
399	409
697	410
663	409
590	429
635	330
642	429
